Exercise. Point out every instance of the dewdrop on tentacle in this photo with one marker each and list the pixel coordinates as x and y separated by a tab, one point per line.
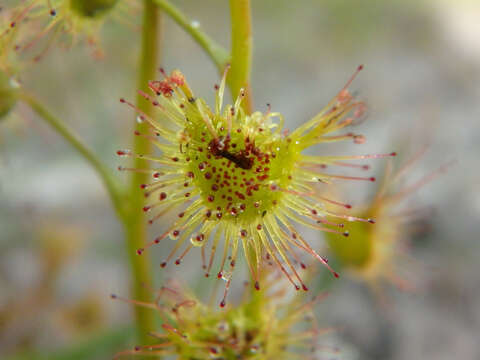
241	182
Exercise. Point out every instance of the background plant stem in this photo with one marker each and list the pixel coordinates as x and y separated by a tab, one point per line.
69	136
135	224
241	60
216	52
241	55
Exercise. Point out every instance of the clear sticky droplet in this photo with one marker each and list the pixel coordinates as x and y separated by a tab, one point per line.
255	348
226	275
223	326
197	240
14	83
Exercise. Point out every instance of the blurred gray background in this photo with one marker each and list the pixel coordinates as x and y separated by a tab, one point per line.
61	247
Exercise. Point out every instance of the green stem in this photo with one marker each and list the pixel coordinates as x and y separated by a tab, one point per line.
135	225
241	56
241	19
63	130
216	52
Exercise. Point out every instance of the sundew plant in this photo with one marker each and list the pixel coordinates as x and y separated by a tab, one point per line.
226	181
242	179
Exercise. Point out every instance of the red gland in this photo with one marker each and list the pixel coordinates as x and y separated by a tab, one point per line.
162	88
177	79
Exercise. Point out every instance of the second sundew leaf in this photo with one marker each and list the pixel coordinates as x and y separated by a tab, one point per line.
262	325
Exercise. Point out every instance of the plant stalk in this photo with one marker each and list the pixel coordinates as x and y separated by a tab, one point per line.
215	51
113	188
135	224
241	60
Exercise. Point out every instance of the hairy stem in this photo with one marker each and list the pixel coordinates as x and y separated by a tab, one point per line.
68	135
135	224
241	62
215	51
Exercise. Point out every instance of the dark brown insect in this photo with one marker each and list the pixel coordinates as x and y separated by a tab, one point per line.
219	147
